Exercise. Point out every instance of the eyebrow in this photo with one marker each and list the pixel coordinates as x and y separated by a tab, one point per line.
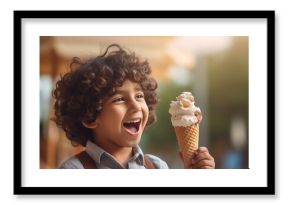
118	90
122	91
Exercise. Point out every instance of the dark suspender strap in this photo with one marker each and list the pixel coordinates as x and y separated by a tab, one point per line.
148	163
86	160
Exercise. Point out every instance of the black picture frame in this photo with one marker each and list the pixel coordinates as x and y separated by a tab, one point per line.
19	189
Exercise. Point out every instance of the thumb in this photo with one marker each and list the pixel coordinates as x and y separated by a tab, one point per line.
181	156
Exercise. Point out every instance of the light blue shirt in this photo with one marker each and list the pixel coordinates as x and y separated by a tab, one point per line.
104	160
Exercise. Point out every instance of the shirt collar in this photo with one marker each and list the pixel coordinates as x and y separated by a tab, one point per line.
138	155
97	152
94	151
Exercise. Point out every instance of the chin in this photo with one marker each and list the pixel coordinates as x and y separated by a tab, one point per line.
135	142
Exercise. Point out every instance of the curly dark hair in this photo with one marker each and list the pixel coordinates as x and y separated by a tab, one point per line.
79	93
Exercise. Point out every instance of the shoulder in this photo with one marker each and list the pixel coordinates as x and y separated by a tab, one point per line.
158	163
71	163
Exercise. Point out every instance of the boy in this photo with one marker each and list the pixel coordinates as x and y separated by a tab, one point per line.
104	105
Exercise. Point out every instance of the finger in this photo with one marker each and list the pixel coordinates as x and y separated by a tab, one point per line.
199	150
180	156
202	149
202	156
204	163
206	167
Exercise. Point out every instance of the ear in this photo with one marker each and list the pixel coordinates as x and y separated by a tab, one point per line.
92	124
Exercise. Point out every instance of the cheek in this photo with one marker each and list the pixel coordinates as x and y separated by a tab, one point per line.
145	112
111	117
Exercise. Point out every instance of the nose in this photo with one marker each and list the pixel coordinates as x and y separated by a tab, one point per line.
134	104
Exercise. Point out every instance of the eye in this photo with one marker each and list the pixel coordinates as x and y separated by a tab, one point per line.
139	96
118	100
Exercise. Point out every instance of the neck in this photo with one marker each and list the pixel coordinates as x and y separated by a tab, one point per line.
123	155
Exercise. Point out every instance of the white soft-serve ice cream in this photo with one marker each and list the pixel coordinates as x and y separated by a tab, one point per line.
185	118
183	111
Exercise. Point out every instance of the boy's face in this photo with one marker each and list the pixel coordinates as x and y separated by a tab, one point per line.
122	119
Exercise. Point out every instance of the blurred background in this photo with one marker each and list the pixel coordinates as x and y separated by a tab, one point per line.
213	68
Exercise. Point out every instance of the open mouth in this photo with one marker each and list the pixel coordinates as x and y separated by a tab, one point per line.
132	126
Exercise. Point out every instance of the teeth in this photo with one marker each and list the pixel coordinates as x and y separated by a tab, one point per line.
133	121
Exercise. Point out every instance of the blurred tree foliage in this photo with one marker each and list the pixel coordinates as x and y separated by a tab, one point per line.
228	87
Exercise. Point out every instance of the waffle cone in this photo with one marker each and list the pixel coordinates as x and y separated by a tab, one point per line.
187	138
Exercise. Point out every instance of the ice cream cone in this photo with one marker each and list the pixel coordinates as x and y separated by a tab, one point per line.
185	118
187	138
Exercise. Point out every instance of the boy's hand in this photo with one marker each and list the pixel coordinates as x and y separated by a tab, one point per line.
202	159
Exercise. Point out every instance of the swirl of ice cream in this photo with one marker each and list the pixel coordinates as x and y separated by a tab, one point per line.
183	111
